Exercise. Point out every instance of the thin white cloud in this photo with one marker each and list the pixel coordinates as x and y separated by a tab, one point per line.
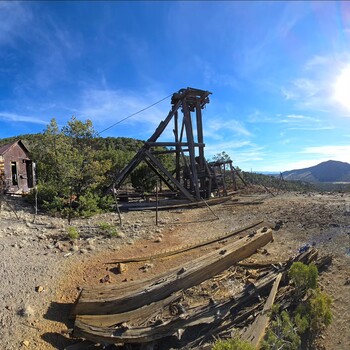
106	107
241	152
212	76
315	90
214	126
298	118
292	121
292	14
313	128
13	117
14	17
330	152
316	61
301	88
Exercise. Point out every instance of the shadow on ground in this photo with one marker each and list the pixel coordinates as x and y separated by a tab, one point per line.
59	312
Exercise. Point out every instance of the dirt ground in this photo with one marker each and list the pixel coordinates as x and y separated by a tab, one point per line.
42	271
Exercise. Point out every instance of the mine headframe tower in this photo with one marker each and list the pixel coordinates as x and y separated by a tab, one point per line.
192	177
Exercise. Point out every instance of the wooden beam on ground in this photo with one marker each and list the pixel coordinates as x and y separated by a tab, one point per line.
215	315
140	314
109	299
255	333
211	240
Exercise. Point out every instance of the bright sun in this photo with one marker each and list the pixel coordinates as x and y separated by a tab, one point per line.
342	88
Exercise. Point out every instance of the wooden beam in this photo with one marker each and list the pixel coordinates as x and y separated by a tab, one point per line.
159	174
160	166
172	144
255	333
214	315
191	147
108	299
138	314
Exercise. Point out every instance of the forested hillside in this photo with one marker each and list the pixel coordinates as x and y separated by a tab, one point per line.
75	162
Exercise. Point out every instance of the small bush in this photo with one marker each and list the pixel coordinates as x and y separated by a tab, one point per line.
89	204
314	313
281	333
303	276
72	232
54	205
233	344
108	229
44	192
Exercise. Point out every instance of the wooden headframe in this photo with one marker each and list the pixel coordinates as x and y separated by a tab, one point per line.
192	181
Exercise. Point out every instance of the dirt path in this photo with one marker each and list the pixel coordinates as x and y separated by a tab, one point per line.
42	272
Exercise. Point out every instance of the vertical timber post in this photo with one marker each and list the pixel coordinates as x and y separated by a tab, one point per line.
191	148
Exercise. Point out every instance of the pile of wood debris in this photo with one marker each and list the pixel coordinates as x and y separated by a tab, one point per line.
191	306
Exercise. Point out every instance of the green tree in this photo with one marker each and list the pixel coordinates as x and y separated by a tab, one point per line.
221	157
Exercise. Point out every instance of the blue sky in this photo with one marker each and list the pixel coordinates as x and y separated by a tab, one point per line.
279	72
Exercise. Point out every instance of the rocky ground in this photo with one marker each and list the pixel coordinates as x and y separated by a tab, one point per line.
42	270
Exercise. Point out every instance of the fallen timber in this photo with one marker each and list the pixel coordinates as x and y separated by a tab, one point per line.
214	319
111	299
256	225
256	332
166	206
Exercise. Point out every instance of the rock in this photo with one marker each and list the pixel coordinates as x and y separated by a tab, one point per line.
158	240
146	267
74	248
106	279
83	251
26	311
39	289
121	234
120	268
25	343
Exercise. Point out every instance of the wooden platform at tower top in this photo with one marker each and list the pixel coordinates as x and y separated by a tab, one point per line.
193	177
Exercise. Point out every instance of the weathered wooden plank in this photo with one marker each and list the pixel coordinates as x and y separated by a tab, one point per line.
256	331
212	201
213	314
82	345
156	162
138	314
256	225
110	300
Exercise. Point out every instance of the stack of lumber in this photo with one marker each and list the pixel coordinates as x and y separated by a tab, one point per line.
155	310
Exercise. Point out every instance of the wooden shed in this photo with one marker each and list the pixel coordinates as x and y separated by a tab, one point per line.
17	170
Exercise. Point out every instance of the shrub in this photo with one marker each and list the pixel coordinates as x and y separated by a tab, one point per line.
45	193
297	330
108	229
233	344
314	313
54	205
303	276
282	333
72	232
89	204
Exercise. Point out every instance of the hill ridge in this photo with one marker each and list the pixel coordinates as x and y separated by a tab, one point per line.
328	171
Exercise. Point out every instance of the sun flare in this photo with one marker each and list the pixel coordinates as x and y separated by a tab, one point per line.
342	88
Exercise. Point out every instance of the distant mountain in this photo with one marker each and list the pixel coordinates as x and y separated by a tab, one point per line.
330	171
